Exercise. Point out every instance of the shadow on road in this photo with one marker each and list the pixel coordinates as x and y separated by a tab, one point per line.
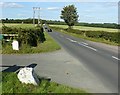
33	65
14	68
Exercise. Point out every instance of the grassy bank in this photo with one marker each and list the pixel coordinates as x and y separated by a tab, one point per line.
48	46
80	34
11	84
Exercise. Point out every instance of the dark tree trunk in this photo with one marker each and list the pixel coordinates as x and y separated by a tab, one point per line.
70	27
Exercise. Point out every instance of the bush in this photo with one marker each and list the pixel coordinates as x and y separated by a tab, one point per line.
94	34
6	29
28	36
9	30
110	36
40	34
31	36
75	31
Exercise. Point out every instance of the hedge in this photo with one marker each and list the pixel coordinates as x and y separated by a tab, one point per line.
110	36
9	30
31	36
28	36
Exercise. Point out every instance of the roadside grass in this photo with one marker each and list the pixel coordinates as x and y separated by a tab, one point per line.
11	84
86	38
87	28
48	46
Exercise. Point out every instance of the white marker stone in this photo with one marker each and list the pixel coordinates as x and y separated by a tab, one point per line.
15	45
28	76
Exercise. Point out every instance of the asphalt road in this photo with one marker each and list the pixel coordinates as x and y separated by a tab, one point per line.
100	59
81	64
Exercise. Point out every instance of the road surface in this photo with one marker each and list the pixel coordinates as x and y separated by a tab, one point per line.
100	59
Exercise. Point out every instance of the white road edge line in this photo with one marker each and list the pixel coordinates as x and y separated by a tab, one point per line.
87	46
115	57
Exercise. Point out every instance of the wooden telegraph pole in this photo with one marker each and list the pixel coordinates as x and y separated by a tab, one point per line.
34	9
34	16
38	15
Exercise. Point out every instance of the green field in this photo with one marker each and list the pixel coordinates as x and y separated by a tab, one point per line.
87	28
65	26
16	25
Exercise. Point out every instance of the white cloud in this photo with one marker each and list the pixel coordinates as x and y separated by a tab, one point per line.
10	5
53	8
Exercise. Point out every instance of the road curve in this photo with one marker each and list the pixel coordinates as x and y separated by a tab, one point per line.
102	62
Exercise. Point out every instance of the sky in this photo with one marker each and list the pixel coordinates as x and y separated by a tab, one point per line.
90	12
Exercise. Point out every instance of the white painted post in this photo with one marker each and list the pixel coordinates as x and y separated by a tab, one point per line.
15	45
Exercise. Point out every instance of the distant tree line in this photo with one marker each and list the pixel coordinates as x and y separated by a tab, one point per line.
17	20
104	25
28	21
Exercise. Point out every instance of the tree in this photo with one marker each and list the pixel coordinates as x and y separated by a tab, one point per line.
69	15
6	19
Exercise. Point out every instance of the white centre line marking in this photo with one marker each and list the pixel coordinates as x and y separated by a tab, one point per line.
115	58
71	40
68	38
84	43
87	46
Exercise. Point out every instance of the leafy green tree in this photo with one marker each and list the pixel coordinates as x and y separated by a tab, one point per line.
69	15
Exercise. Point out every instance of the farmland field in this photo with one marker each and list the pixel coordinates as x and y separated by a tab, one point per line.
17	25
65	26
88	28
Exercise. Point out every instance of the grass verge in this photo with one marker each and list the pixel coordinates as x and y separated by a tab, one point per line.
48	46
11	84
85	37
